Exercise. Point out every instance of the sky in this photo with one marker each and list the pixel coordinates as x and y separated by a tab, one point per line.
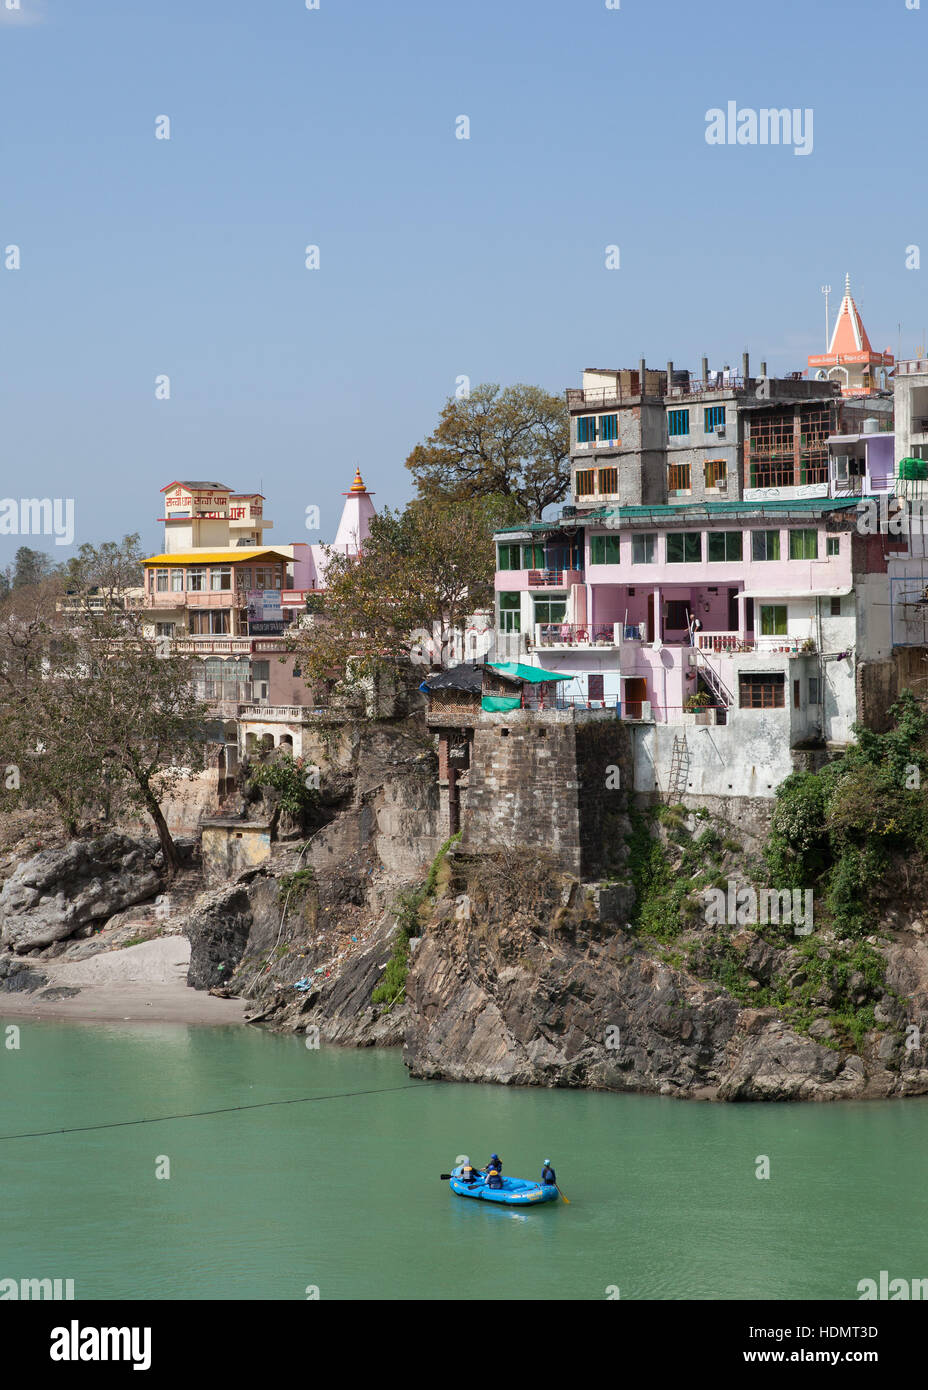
439	257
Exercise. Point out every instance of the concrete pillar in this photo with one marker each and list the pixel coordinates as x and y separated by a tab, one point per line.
763	368
745	366
705	369
641	372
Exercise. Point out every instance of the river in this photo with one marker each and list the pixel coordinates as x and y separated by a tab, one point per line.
342	1194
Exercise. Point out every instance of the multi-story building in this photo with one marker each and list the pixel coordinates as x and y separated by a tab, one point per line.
738	576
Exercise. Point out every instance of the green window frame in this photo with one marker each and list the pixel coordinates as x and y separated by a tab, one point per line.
510	557
678	422
533	557
803	545
765	545
715	416
608	427
684	548
773	619
604	550
725	545
586	429
510	612
550	610
833	545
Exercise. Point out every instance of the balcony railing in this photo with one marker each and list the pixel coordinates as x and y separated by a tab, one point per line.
579	634
554	579
724	642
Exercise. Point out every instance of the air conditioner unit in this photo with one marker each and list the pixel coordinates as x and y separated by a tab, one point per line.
722	484
720	431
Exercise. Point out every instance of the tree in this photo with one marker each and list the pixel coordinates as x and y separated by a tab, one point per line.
31	567
430	564
91	709
108	570
511	443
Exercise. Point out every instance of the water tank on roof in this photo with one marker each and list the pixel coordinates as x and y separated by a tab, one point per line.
871	425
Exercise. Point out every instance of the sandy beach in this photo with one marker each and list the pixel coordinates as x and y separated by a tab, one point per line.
144	983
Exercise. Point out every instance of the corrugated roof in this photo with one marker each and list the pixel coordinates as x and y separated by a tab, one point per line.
182	482
215	557
693	513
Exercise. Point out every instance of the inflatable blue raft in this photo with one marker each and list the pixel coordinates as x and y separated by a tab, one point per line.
514	1191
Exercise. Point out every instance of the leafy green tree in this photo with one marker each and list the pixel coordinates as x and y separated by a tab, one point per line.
512	443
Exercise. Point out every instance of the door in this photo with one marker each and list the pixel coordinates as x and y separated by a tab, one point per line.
636	690
733	610
650	633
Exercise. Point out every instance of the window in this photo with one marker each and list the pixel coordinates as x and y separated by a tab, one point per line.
609	428
678	422
608	480
815	690
510	619
595	687
533	557
715	416
206	622
196	579
164	629
550	610
678	615
678	477
803	545
260	670
684	548
510	557
586	429
765	545
243	577
773	619
836	608
177	581
716	472
604	550
265	579
585	483
833	545
161	581
220	577
725	545
762	692
643	548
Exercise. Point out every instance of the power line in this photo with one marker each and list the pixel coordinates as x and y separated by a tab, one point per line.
195	1114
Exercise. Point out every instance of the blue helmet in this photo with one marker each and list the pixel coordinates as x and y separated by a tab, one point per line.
494	1158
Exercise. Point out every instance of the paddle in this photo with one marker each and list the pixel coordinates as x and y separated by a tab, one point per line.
561	1195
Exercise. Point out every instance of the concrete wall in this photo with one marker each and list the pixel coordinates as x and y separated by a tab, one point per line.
231	847
747	757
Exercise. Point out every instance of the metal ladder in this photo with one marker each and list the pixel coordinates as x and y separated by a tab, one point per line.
679	768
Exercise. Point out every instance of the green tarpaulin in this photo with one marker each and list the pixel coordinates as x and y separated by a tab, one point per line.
496	704
533	674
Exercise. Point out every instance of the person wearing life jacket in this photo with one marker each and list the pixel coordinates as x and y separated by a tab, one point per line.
494	1181
494	1163
548	1175
468	1174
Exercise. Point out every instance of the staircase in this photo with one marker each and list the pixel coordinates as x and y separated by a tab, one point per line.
679	769
721	695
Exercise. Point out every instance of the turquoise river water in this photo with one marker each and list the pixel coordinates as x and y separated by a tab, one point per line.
342	1194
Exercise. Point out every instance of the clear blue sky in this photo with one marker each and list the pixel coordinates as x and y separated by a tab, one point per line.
439	257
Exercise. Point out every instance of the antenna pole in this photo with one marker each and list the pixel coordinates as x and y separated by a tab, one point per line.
826	291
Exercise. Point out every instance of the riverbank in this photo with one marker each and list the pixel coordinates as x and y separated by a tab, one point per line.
147	982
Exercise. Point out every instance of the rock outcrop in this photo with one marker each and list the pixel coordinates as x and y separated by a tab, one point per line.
60	891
